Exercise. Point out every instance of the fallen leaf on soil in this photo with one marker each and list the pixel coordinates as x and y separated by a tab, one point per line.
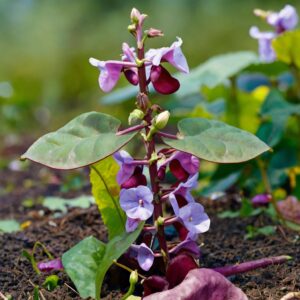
201	284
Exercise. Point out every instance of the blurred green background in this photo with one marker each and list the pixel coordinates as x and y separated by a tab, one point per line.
45	77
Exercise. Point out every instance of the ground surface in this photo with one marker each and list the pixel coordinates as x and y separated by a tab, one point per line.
223	244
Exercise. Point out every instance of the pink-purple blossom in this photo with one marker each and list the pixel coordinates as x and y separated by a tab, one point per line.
143	254
261	199
285	19
129	175
51	265
163	82
137	202
194	218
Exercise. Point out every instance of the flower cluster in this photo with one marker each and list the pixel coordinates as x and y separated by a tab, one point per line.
136	198
161	79
285	19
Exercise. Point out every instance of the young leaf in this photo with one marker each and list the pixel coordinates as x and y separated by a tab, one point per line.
51	282
83	141
216	141
106	192
88	261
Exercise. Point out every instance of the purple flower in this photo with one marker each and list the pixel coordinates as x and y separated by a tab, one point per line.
285	19
194	219
172	55
183	190
161	79
137	202
110	72
143	254
124	160
261	199
129	175
50	265
266	52
182	165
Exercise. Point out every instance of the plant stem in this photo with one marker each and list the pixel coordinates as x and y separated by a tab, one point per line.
126	268
167	135
150	148
268	187
131	129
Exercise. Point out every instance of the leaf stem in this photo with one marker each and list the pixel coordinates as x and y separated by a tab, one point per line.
167	135
127	269
131	129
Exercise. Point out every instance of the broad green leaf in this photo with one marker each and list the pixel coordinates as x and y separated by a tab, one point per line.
62	204
88	261
270	69
83	141
215	71
9	226
277	108
106	192
216	141
211	73
270	132
287	47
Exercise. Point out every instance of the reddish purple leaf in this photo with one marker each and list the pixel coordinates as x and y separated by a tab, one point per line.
200	284
154	284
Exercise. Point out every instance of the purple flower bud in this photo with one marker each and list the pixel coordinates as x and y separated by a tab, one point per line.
152	32
172	54
137	202
286	19
194	218
50	265
261	199
143	254
266	52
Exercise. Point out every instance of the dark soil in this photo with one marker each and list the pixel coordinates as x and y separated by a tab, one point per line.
223	244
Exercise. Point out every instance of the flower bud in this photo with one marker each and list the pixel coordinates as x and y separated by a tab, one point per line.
135	16
152	32
135	116
161	120
260	13
143	101
131	28
133	279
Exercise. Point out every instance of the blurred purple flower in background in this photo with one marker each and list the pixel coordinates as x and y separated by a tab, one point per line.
261	199
50	265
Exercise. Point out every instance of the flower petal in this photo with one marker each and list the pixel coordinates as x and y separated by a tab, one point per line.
50	265
162	81
145	257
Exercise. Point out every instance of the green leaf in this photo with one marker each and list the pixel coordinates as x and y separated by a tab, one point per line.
51	282
83	141
88	261
106	191
211	73
253	231
215	71
216	141
277	108
9	226
229	214
287	47
275	68
62	204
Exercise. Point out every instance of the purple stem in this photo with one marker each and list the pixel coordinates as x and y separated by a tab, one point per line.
252	265
167	135
131	129
138	162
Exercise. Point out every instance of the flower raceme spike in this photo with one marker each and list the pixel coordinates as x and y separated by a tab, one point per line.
137	202
285	19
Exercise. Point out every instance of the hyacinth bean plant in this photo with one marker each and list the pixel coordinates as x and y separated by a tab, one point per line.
137	202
